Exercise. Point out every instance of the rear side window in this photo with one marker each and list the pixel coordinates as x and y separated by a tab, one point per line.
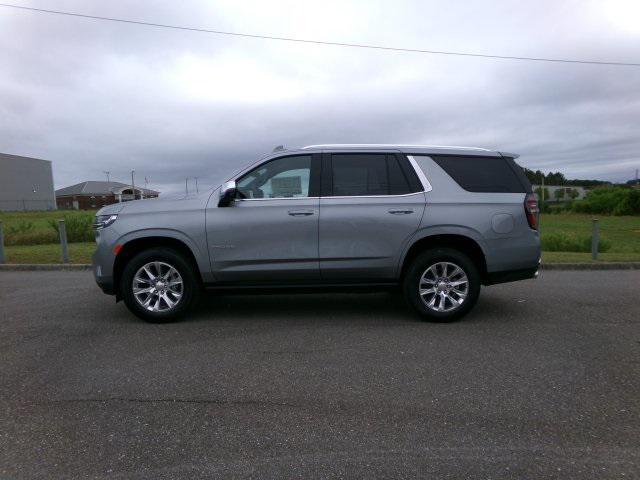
481	174
367	174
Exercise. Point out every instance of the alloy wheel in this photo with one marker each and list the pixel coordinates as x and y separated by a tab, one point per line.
158	286
443	287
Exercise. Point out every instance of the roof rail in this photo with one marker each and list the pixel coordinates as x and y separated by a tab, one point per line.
390	145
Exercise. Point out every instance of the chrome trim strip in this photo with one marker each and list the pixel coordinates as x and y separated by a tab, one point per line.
372	196
274	198
423	178
330	197
426	186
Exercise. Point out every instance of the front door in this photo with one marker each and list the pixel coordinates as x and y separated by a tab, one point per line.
269	233
368	210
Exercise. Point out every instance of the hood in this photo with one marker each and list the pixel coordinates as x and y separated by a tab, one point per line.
160	204
112	209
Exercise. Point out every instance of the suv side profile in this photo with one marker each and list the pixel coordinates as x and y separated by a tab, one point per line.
438	222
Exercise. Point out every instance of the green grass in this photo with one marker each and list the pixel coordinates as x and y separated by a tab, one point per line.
40	219
78	253
623	233
32	228
578	257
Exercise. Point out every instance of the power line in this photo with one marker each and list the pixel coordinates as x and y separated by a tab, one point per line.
321	42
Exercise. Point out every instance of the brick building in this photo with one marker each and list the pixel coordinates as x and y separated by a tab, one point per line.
92	194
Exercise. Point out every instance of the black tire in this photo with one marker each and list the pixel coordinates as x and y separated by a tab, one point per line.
190	289
419	266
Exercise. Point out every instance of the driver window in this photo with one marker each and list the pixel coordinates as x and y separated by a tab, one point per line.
285	177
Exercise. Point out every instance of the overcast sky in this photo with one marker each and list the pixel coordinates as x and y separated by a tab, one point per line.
93	96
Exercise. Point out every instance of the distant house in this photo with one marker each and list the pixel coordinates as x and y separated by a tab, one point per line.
95	194
550	194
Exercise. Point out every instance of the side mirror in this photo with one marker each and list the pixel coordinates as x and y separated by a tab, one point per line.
227	193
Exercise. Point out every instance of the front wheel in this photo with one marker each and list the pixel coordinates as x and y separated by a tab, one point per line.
159	285
442	284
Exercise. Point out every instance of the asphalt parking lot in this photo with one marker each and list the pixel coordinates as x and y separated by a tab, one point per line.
541	380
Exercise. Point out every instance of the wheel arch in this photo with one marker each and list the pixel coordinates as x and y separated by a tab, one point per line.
462	241
135	245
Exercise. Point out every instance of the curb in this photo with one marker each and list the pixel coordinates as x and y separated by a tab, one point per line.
592	266
30	267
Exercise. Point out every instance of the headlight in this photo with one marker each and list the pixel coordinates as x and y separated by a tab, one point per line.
103	221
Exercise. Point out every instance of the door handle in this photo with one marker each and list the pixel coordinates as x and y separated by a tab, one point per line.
400	211
300	213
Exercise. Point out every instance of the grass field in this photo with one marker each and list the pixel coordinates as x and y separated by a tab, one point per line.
623	233
51	253
40	220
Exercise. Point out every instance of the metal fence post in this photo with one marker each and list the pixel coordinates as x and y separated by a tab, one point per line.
595	239
62	230
2	258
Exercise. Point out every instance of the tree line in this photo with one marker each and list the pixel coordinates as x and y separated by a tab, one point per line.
558	178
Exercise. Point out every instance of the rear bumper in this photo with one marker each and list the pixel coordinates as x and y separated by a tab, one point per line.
493	278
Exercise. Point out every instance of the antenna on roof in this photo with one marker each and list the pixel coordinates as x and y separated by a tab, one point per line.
279	148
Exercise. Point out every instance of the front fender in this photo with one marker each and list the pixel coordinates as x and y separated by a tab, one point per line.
202	258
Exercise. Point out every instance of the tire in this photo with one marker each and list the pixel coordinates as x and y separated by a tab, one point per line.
184	295
439	283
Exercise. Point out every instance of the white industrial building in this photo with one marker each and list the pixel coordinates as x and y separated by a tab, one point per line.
25	184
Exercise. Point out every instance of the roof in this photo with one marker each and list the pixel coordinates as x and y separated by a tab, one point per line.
9	156
99	188
426	149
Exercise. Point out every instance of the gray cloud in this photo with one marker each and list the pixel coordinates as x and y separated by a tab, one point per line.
94	96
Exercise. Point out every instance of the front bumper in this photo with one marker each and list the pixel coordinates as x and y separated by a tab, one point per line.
103	260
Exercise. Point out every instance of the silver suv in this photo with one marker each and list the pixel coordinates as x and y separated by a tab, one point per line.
438	222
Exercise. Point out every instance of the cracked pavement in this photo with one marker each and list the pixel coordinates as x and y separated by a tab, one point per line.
541	380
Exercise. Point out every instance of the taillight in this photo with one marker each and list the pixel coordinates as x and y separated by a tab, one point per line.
531	210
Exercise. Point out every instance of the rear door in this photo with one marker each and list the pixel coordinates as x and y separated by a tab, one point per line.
371	203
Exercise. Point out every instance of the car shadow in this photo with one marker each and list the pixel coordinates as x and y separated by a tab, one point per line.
370	308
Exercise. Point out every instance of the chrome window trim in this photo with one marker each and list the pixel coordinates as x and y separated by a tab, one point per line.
372	196
329	197
426	186
273	198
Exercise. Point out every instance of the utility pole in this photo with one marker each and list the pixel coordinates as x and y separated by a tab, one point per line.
133	186
107	174
186	185
196	178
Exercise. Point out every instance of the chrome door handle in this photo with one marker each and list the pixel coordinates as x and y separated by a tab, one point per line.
300	213
400	211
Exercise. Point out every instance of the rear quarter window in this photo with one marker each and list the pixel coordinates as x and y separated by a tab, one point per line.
482	174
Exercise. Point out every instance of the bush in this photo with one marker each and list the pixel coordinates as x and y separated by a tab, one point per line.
36	237
610	200
561	242
21	227
78	227
558	208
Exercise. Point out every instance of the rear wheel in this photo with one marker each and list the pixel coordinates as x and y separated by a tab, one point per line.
442	284
159	285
